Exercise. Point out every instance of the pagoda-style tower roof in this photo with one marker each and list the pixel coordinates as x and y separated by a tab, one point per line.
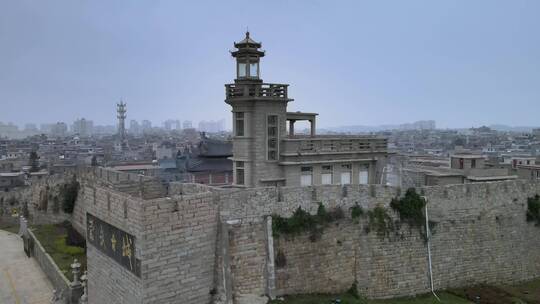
247	47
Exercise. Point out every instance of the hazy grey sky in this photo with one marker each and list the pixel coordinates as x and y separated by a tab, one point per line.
460	63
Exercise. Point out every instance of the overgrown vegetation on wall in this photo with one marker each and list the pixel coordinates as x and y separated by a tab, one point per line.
533	209
411	210
302	221
356	212
69	192
380	222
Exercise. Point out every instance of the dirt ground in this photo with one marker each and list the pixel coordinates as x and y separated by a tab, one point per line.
527	293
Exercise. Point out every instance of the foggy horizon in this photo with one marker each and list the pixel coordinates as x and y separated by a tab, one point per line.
461	64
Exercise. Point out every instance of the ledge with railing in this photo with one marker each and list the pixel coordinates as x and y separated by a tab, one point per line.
256	90
332	144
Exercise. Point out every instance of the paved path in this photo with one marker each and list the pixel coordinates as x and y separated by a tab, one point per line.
21	279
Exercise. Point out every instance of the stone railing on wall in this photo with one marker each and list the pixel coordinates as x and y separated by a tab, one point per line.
178	188
69	291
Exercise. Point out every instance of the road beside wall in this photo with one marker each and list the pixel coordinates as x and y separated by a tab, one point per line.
21	279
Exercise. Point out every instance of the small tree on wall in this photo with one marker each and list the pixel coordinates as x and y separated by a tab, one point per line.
33	161
410	209
533	209
94	162
69	192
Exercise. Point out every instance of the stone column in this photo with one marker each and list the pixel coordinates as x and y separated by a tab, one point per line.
312	121
75	288
75	269
291	127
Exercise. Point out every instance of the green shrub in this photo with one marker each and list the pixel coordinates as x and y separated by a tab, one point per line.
353	291
356	212
301	221
533	209
410	208
380	221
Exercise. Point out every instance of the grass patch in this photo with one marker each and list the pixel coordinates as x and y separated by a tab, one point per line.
446	298
53	239
525	293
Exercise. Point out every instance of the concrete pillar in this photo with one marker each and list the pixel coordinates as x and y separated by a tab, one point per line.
291	127
312	121
75	269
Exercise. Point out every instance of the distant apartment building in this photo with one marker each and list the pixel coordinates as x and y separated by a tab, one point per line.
30	127
528	171
146	126
8	130
187	124
464	168
266	154
513	160
536	133
83	127
59	129
134	127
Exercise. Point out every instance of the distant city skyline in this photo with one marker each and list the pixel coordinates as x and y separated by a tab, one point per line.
460	63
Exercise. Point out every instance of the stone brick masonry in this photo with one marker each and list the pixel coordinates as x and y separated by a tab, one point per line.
481	237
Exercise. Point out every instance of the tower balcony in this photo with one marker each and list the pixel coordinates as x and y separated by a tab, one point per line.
298	145
240	91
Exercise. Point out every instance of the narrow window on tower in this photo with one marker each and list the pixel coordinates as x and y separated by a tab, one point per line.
239	123
272	137
254	70
240	173
242	68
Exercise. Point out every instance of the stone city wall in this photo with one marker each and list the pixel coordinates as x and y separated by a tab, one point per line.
179	249
107	279
175	242
42	200
481	236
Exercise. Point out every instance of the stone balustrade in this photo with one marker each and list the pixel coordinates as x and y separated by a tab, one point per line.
256	90
332	144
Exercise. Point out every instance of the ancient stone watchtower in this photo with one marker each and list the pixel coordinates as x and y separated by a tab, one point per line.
259	115
265	154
